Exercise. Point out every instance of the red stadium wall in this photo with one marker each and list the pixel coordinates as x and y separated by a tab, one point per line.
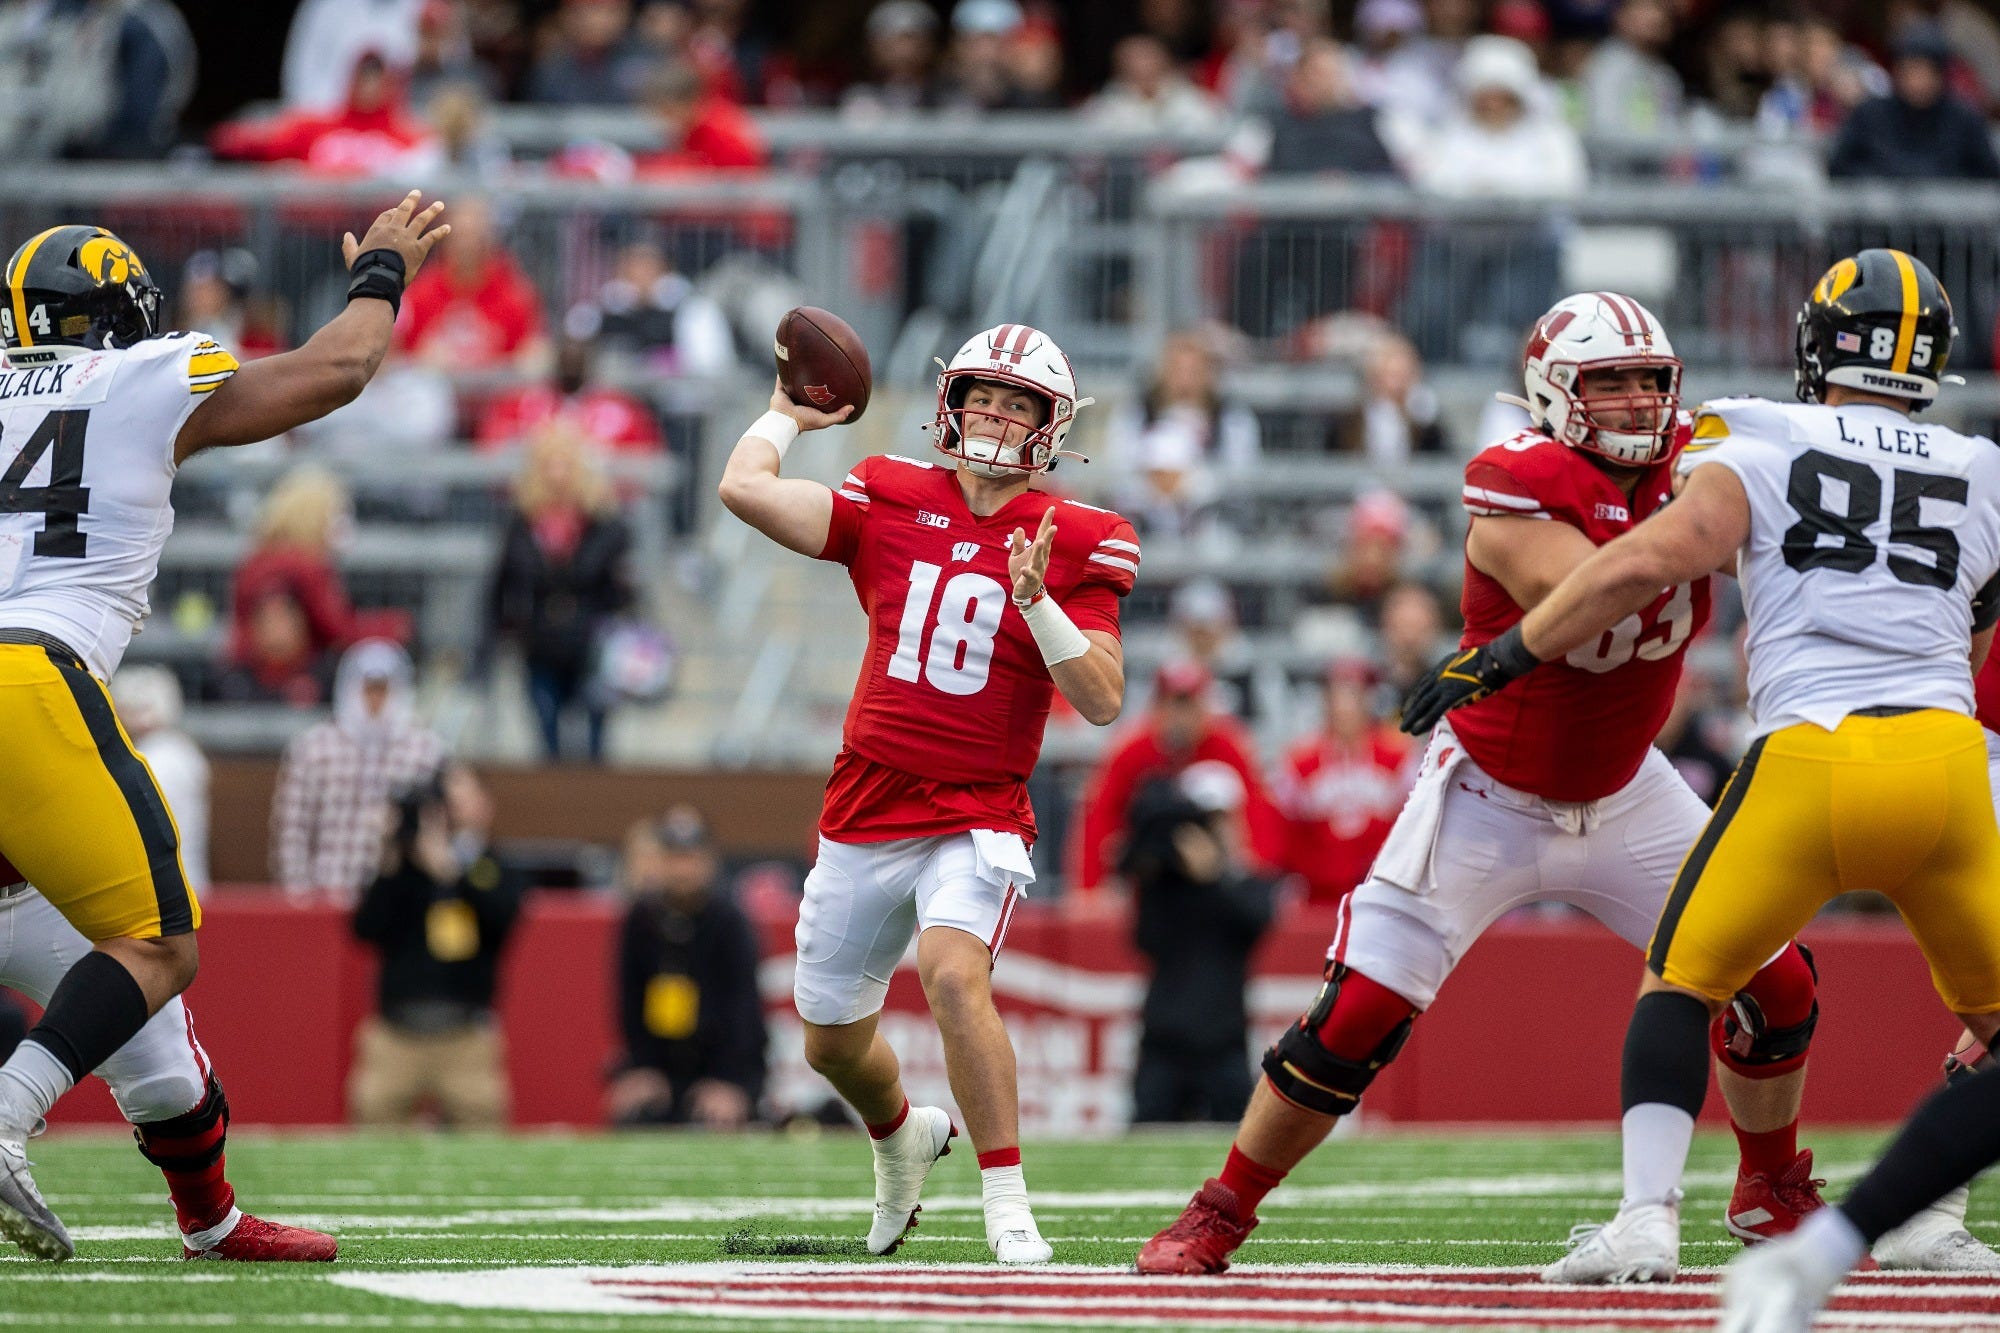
1528	1031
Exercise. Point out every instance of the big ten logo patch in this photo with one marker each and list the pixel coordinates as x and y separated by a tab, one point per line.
930	520
1615	513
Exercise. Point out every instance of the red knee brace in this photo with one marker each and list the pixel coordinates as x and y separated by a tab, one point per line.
1767	1029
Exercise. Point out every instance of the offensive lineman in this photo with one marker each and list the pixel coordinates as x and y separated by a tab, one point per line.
926	821
1553	794
97	412
1867	548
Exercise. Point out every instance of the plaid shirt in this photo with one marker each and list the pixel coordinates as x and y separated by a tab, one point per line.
326	815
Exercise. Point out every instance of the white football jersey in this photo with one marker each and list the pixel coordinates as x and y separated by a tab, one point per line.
86	475
1870	533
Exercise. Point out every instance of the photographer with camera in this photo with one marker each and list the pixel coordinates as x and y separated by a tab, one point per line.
440	911
1200	912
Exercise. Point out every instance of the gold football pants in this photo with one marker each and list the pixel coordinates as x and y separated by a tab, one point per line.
81	817
1898	804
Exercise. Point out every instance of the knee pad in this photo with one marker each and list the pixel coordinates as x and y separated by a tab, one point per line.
1768	1027
1969	1058
190	1142
1306	1073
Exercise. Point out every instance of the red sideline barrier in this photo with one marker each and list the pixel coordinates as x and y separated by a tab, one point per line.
1529	1029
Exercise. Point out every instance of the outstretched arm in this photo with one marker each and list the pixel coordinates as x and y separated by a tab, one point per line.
271	396
792	511
1695	535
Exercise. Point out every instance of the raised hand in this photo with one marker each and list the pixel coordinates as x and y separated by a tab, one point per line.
809	418
401	229
1028	562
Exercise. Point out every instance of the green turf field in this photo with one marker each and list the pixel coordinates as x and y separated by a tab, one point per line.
471	1203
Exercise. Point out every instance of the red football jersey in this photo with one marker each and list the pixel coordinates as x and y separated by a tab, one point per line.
1986	692
947	717
1573	730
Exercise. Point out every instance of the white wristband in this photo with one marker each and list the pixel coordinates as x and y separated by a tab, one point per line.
1055	633
777	427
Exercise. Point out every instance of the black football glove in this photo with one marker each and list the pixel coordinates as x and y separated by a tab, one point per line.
1465	676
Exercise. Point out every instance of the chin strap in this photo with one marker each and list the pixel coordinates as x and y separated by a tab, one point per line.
1515	400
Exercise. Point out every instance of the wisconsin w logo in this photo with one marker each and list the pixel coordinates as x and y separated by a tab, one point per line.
964	551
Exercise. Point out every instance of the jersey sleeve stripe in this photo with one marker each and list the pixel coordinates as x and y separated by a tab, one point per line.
1500	499
1130	566
1480	511
855	496
1112	544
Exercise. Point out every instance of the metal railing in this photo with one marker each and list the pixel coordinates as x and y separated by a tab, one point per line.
1724	268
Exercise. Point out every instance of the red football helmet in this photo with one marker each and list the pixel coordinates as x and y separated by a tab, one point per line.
1602	331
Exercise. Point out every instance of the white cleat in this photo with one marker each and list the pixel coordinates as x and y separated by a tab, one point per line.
1017	1240
1936	1241
1775	1287
24	1218
901	1162
1641	1244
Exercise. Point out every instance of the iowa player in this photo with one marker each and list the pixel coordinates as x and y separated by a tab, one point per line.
1866	544
973	627
98	409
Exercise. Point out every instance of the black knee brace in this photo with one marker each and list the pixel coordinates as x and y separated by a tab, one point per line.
1306	1074
1966	1061
1749	1040
191	1142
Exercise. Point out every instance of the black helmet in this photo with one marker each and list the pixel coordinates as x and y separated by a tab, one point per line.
76	287
1879	321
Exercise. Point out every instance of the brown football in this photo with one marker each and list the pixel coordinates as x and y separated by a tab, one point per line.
821	361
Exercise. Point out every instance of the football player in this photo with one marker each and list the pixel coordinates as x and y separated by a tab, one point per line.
164	1085
98	410
973	626
1554	793
1867	546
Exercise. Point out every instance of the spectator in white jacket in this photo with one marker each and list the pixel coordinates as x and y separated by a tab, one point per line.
1148	93
328	37
1474	288
1507	140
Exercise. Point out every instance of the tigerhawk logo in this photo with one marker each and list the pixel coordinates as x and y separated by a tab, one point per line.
109	261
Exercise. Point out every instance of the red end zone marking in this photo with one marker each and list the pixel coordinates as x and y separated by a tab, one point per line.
1329	1299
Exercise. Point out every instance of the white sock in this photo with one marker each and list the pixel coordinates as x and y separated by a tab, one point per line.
1004	1190
1657	1138
30	1083
1833	1242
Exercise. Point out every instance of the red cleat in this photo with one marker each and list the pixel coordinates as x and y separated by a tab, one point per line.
1766	1207
256	1241
1202	1238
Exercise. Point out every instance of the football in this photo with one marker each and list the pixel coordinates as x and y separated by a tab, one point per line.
822	362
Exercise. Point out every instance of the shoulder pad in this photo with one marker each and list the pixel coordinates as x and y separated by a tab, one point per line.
1522	476
1726	418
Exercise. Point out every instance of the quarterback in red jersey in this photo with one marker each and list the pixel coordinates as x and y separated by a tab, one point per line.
1557	796
973	627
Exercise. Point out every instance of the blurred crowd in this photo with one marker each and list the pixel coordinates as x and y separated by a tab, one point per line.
1456	94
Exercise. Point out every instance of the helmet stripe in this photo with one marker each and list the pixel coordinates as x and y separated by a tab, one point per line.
1906	333
16	276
